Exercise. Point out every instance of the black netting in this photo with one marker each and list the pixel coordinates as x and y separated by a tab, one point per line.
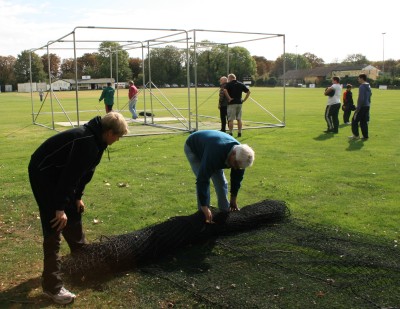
291	265
157	240
253	259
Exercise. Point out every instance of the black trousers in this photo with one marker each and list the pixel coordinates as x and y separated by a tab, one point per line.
360	117
73	232
223	114
332	117
347	114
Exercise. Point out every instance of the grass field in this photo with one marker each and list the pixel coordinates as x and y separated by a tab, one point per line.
323	178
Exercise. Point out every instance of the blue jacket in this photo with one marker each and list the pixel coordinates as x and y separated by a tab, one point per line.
364	96
213	149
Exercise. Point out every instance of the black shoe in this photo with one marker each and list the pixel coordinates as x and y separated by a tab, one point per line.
328	131
239	135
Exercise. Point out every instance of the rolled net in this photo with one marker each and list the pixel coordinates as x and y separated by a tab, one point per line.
129	250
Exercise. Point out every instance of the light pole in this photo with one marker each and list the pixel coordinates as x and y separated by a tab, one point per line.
383	52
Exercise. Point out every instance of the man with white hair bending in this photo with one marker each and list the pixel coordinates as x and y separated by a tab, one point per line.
209	153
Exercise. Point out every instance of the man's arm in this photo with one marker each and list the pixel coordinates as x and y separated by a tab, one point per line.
227	95
247	96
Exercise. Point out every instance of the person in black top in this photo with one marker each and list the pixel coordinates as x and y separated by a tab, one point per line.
233	91
58	172
348	104
223	103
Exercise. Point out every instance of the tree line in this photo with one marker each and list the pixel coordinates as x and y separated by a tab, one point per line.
169	64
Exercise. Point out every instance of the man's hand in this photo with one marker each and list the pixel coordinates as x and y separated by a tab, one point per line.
207	214
80	206
60	221
233	206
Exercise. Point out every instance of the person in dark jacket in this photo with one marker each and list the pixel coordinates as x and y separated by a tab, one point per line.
348	104
58	172
361	115
209	153
108	95
223	103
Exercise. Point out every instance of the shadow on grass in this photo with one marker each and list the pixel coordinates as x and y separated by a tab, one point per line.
355	145
23	296
324	137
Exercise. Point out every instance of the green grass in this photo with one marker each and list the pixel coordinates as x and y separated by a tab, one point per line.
324	180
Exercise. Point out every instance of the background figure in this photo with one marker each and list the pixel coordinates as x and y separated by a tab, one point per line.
348	104
361	115
133	92
233	91
223	103
41	95
333	106
58	172
209	152
108	96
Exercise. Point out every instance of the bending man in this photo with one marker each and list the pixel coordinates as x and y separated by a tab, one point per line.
209	153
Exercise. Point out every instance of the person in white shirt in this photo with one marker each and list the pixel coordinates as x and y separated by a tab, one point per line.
334	93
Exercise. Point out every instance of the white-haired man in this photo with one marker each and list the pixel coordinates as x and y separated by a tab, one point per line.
209	153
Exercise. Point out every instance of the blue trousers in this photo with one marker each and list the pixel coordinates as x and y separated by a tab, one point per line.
218	178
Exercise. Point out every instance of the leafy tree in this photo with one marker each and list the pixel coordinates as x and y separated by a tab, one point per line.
54	65
241	63
107	53
356	59
68	69
212	62
263	66
88	64
22	68
293	61
166	65
136	67
313	60
7	76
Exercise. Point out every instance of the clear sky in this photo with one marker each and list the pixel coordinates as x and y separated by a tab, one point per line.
331	30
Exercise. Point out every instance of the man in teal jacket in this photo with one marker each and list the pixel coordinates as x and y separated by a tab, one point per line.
108	96
209	153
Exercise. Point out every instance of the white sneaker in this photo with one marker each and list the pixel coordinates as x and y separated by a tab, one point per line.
353	138
63	297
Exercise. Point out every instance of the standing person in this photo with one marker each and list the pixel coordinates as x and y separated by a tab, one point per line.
41	95
108	96
233	92
223	103
333	106
132	94
361	115
209	153
58	172
348	104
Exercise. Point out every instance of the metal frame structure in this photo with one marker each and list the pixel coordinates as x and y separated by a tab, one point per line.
176	36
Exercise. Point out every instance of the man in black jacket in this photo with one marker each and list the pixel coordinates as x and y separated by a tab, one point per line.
58	172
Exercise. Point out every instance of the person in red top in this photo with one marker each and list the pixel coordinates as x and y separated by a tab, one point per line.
133	92
348	104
